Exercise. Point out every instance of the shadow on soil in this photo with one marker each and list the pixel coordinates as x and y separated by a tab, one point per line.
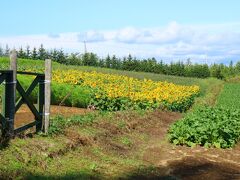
187	168
4	141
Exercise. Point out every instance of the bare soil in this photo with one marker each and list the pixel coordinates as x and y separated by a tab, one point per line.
181	162
25	116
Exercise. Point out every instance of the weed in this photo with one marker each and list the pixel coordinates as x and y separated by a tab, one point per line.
60	123
126	141
122	124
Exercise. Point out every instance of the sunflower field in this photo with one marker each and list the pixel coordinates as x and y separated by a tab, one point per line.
116	92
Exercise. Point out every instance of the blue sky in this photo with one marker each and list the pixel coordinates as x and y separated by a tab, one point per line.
171	29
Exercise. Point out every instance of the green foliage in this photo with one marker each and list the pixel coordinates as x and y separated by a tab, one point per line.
21	53
123	103
7	51
207	126
108	104
230	96
208	96
25	81
180	106
89	59
70	95
1	51
42	54
233	79
61	94
197	70
34	54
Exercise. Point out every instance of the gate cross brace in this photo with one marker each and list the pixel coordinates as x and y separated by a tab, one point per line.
27	93
2	78
2	119
25	98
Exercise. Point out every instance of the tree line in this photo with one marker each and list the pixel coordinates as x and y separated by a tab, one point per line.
130	63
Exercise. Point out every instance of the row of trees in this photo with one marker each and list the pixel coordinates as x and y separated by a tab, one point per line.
130	63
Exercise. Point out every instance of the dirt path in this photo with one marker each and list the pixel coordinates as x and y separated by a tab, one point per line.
193	163
24	115
171	162
185	162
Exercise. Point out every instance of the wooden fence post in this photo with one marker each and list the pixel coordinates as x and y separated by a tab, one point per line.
41	94
10	95
47	97
8	107
13	66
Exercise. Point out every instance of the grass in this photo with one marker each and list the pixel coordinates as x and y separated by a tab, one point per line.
59	123
230	96
212	91
25	64
82	150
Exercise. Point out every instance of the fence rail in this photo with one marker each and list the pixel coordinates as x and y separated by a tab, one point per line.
10	106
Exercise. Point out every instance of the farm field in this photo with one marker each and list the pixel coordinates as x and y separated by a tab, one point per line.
230	96
128	91
37	65
120	90
217	126
128	144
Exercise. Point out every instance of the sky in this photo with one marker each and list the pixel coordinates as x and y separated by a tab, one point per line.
206	31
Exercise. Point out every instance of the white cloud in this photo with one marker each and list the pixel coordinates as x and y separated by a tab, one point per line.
216	42
91	36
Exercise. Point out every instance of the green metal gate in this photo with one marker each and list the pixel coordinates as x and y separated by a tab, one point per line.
8	104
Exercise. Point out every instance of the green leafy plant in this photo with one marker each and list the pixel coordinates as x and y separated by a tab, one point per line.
207	126
123	103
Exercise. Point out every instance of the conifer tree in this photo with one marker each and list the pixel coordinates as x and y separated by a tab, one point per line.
101	63
231	69
54	55
1	51
42	53
114	62
34	54
7	51
93	59
237	67
21	53
61	58
28	53
108	61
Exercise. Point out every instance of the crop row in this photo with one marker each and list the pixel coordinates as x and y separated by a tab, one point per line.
207	126
116	92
